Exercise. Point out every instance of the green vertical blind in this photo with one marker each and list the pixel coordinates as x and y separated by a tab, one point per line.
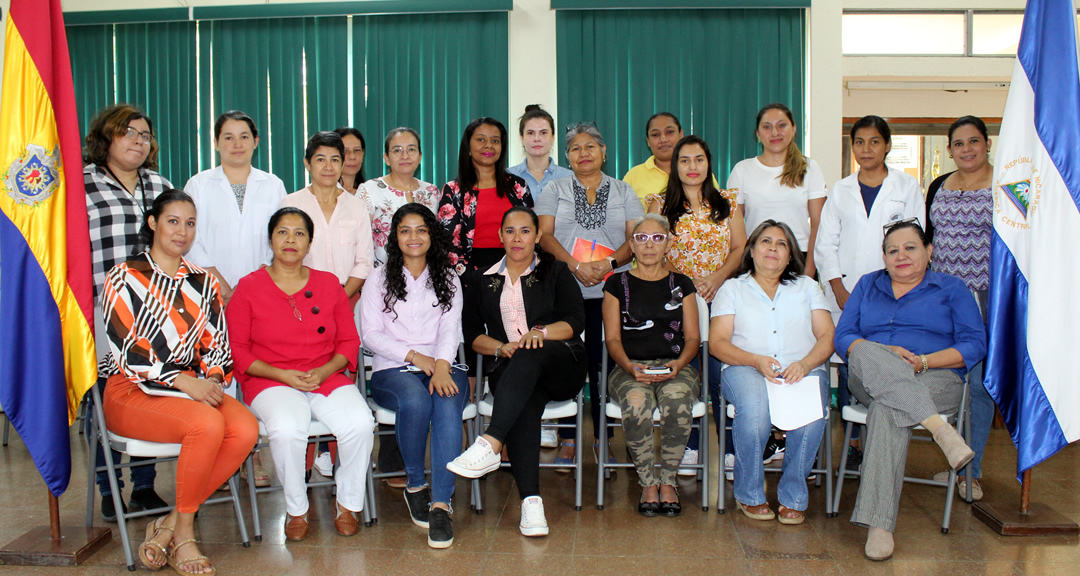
725	65
433	73
91	50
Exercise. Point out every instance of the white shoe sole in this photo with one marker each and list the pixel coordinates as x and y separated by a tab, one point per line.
687	472
467	473
534	531
439	545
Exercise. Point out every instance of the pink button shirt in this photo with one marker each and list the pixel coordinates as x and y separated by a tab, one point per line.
343	246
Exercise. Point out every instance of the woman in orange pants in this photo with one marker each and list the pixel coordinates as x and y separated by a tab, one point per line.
166	329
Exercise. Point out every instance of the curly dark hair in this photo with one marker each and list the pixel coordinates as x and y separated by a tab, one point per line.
110	124
440	272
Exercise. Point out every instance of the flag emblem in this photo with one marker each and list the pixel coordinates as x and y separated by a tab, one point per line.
32	177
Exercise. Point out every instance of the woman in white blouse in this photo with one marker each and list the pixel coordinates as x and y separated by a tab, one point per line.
411	316
771	324
385	194
235	201
342	243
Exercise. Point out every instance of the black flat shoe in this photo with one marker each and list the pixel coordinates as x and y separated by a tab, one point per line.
648	509
147	499
670	509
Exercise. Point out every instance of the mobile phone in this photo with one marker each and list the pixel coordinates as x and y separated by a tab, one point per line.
413	368
654	370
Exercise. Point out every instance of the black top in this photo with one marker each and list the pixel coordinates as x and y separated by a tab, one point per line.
550	293
653	327
930	193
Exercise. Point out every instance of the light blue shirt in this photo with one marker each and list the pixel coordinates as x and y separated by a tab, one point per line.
552	172
780	327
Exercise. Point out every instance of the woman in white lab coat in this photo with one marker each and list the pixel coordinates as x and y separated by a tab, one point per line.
235	201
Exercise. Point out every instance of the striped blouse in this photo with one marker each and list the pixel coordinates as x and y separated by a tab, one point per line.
160	326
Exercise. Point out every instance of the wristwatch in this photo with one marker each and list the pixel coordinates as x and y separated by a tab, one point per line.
541	329
614	263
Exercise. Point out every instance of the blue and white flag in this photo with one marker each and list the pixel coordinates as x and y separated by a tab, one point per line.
1034	309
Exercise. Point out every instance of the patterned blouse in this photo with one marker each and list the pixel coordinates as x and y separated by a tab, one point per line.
160	326
457	213
963	222
700	246
383	200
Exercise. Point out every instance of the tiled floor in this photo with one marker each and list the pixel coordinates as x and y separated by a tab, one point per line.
614	541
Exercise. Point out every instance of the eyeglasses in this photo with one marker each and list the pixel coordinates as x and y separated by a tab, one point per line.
406	151
642	238
295	310
590	124
136	136
913	220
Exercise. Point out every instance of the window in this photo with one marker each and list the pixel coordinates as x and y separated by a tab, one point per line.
904	33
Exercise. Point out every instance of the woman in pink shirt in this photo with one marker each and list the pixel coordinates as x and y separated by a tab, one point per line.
411	316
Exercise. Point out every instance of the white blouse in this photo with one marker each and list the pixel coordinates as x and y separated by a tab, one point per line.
343	245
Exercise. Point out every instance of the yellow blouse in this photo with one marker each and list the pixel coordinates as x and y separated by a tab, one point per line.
700	245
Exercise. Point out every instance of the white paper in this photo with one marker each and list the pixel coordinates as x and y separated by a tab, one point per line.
795	405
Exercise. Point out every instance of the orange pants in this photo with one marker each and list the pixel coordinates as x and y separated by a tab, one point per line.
214	441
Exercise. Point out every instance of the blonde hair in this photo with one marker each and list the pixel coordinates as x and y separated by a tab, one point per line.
795	164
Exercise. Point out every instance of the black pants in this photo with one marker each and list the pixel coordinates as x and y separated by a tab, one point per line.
594	350
529	380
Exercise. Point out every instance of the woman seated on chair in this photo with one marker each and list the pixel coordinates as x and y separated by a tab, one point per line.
166	328
411	314
525	315
770	323
651	324
908	335
293	336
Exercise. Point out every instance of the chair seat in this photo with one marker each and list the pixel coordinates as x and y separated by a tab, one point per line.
316	428
142	448
856	413
553	410
615	412
387	417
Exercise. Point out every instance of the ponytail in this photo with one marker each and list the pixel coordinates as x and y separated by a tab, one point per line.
794	167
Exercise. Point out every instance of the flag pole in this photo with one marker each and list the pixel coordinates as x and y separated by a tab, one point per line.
54	515
47	546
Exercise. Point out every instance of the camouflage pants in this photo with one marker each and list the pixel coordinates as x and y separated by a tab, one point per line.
675	398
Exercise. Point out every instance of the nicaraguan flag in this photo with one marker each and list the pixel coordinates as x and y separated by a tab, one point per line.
1034	309
47	358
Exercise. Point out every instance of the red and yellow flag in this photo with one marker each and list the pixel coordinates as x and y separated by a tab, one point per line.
47	357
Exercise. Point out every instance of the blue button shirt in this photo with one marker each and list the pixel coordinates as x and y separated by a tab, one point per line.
552	172
937	314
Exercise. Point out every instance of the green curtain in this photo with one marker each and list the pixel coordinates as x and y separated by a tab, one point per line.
91	70
726	65
155	70
433	73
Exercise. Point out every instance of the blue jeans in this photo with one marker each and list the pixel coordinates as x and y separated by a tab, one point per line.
982	405
843	398
418	411
142	477
744	387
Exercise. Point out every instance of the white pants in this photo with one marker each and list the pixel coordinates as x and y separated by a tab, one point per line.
287	414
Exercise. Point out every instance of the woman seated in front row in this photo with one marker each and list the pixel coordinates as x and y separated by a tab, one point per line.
908	335
293	336
166	327
411	314
771	323
650	322
525	315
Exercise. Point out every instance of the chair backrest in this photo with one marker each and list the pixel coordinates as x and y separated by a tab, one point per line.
703	321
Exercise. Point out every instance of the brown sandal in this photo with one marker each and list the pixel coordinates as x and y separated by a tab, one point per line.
789	516
153	529
208	567
759	512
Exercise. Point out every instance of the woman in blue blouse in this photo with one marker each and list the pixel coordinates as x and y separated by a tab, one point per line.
909	336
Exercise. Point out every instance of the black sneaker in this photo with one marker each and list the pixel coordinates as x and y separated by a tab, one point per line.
774	449
108	509
854	459
147	499
441	533
419	503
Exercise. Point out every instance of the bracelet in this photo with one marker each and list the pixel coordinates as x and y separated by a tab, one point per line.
578	266
498	348
925	366
412	354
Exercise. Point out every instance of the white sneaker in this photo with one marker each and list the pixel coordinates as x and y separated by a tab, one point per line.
729	462
478	460
533	522
549	438
689	458
324	464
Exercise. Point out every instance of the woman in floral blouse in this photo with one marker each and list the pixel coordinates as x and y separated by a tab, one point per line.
472	206
384	195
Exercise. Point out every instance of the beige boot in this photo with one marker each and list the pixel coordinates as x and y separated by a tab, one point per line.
879	544
952	444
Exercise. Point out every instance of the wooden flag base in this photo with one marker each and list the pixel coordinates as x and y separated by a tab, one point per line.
1027	520
38	548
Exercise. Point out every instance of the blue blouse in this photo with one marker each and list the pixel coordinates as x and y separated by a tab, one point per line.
937	314
552	172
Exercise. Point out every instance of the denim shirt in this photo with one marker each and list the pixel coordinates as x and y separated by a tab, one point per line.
552	172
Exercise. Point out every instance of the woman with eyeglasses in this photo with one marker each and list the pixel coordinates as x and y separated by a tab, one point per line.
525	315
385	194
293	336
352	165
119	159
652	335
411	317
909	335
473	204
586	222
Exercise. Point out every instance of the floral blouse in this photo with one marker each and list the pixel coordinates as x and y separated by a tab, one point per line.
383	201
700	246
457	213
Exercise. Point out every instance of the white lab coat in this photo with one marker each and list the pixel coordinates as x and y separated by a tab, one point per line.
236	244
849	241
